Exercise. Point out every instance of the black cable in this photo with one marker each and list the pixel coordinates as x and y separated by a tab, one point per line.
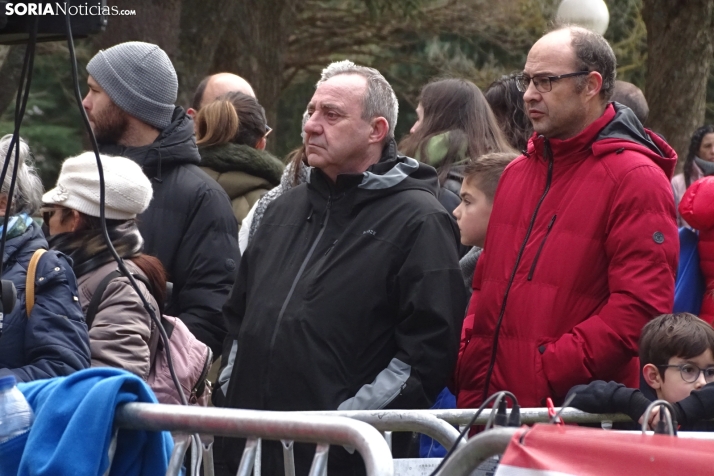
23	93
102	199
490	399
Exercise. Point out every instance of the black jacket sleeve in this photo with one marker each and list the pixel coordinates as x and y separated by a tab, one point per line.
699	405
204	268
609	397
432	301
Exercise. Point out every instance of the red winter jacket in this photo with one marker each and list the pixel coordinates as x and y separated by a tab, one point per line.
697	209
580	253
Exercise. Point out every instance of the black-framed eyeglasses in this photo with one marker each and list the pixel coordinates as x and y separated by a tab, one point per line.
48	213
690	372
543	84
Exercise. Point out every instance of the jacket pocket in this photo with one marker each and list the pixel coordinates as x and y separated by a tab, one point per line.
540	248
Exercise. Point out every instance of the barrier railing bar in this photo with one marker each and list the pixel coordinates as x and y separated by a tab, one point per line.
530	415
288	457
419	421
177	455
479	448
382	419
262	424
319	462
248	459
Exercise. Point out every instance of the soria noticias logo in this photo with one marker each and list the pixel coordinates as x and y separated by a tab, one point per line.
60	8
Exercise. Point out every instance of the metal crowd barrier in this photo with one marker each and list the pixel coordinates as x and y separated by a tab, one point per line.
254	425
478	449
418	421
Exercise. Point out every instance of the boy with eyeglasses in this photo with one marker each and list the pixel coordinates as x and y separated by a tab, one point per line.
677	351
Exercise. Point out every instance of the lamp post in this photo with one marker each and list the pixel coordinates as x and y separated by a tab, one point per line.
590	14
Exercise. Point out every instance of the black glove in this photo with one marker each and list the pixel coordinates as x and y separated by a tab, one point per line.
609	397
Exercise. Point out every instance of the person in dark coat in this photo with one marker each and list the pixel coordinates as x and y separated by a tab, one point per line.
189	225
347	297
52	340
231	134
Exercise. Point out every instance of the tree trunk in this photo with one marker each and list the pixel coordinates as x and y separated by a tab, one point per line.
156	21
203	23
10	72
680	48
254	48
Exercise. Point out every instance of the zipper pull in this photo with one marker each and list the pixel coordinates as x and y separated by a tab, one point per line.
552	220
330	247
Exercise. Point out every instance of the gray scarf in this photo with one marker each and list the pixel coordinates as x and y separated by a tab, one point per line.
706	167
286	183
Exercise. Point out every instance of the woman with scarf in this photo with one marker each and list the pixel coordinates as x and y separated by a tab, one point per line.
51	339
231	133
122	333
699	163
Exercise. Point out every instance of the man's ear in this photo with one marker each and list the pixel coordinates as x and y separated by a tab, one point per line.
191	112
652	376
594	84
380	129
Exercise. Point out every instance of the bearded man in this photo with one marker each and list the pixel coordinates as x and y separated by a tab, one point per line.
189	224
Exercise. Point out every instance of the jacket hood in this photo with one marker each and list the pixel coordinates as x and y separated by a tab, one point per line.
242	158
393	173
617	130
175	145
626	132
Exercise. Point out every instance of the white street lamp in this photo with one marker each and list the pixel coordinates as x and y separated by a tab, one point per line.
590	14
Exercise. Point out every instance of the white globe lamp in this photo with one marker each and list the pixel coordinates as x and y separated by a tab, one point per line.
590	14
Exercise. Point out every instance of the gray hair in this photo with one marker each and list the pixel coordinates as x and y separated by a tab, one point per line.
27	196
379	100
594	53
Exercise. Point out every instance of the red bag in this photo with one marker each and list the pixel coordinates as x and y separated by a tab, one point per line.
570	450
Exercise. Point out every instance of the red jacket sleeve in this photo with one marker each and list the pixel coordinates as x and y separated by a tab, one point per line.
642	247
697	204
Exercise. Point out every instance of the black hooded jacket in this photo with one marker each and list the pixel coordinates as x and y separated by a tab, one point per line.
189	226
349	297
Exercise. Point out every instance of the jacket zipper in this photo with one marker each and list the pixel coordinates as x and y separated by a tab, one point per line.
200	387
301	270
548	154
540	248
330	248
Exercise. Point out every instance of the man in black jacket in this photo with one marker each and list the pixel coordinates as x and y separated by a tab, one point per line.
350	295
189	224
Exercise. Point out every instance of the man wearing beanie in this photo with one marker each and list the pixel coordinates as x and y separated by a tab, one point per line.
189	224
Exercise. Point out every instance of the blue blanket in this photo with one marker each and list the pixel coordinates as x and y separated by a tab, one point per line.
74	426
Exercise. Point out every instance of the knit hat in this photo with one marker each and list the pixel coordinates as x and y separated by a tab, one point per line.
140	79
128	191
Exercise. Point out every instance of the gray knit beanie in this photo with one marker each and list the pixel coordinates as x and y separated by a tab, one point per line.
140	79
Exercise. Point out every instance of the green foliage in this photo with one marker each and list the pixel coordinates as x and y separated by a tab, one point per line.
52	125
627	34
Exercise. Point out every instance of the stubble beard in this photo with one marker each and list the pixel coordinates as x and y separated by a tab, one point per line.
110	125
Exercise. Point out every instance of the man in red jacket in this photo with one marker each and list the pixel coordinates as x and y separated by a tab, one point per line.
581	251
